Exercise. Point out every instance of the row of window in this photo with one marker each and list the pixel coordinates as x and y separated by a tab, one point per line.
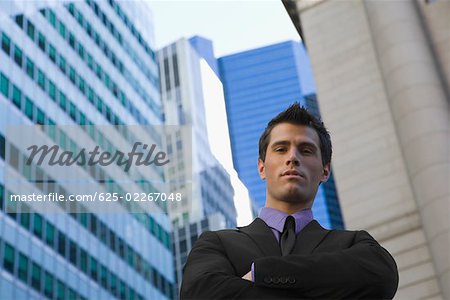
88	220
68	106
117	35
68	249
131	27
28	108
69	37
33	274
73	253
59	60
76	79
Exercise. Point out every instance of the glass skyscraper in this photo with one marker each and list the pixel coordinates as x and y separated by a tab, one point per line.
79	64
258	84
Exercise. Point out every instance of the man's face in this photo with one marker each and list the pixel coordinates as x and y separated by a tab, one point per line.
293	164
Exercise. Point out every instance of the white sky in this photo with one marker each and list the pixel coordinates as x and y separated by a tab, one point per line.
232	25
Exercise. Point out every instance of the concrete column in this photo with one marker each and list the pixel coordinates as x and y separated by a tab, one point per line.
421	116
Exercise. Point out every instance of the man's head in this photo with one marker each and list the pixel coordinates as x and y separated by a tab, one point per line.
294	157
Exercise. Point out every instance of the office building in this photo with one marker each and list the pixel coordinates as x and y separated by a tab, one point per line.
383	74
67	67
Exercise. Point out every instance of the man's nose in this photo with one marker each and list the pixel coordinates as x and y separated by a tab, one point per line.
293	158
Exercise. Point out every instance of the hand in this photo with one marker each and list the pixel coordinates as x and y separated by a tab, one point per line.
248	276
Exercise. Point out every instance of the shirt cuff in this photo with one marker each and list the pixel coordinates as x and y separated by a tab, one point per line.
253	272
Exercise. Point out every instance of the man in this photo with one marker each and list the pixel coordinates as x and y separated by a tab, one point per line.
285	253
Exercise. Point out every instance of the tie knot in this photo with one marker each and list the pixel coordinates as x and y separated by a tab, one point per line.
289	224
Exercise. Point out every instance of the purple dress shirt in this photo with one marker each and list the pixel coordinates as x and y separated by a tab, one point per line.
275	220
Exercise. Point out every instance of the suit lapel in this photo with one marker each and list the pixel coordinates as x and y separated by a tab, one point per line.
309	238
263	237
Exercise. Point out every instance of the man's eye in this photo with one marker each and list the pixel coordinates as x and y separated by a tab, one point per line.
279	149
308	151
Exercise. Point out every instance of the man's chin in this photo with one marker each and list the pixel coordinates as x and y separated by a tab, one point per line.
294	196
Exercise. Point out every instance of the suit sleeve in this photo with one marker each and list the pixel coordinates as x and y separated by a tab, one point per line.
208	274
364	271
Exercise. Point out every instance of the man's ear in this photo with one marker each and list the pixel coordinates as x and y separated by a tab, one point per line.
261	169
326	173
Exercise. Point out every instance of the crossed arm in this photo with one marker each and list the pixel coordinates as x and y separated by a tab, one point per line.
363	271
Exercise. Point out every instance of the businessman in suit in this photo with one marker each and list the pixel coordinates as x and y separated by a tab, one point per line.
285	253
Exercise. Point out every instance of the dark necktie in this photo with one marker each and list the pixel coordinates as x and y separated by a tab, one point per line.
287	239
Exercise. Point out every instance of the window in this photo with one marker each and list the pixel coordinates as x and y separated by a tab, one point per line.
18	56
4	85
60	290
6	44
90	62
41	41
40	117
93	224
72	252
113	283
36	276
17	96
81	51
25	220
122	290
121	248
82	119
51	90
72	74
41	79
98	71
37	225
94	269
71	40
103	276
72	111
62	29
19	20
48	285
52	53
130	256
30	68
62	100
23	267
29	108
30	30
50	234
8	258
61	244
81	85
52	17
72	294
83	260
103	231
62	64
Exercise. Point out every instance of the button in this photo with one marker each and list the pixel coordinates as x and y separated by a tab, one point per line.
291	279
284	280
276	280
268	279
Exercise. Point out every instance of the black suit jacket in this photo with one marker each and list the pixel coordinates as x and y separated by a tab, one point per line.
325	264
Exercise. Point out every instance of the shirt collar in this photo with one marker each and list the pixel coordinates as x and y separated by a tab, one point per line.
275	218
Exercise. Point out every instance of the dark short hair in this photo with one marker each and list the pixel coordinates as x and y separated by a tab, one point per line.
298	115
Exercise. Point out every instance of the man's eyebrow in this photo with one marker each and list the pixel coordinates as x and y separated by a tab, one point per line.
302	144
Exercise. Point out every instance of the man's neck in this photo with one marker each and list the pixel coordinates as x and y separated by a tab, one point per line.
286	207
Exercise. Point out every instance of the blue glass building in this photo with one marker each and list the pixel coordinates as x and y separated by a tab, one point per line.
258	84
79	64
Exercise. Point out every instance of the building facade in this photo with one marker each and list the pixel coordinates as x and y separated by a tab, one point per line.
383	75
66	68
258	84
183	102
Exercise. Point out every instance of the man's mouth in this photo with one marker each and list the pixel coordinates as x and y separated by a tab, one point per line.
292	173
